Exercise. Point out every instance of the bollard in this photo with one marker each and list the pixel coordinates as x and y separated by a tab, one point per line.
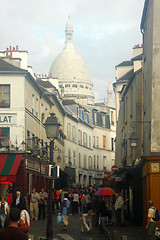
123	237
115	235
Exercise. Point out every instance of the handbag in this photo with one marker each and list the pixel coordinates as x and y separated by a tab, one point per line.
25	226
59	219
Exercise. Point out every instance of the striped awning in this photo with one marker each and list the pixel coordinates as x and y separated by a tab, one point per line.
9	164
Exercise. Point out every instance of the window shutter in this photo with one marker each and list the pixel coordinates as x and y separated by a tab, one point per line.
107	121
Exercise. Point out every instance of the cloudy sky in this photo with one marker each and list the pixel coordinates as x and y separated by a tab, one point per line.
105	32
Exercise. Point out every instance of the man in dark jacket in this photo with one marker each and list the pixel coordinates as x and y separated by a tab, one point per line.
103	214
18	201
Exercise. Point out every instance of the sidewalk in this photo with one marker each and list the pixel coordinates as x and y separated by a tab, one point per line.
38	229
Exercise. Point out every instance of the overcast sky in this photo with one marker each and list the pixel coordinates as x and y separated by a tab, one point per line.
105	32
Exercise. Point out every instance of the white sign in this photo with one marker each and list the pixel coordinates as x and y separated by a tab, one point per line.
8	119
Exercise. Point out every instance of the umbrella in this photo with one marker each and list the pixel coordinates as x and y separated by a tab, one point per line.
105	192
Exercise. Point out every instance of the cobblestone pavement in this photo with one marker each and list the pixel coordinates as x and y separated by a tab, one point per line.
38	229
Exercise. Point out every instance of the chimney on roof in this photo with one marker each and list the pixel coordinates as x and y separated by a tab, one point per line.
17	48
7	53
10	48
51	75
11	54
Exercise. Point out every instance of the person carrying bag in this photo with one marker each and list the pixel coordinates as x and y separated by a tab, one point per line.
24	223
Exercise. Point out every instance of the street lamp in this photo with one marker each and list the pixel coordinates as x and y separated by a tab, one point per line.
133	140
52	132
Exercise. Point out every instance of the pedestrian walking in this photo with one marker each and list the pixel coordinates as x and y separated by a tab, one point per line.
103	214
119	208
8	198
65	211
12	232
87	198
24	221
84	211
151	224
18	201
42	203
75	202
3	212
34	204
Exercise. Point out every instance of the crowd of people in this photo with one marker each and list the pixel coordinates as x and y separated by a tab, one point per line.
96	212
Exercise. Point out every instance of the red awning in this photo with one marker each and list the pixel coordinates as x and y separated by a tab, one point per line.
9	164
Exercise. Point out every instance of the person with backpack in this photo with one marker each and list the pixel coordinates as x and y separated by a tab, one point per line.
151	222
65	211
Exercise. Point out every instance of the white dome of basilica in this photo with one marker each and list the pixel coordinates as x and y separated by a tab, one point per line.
69	64
71	70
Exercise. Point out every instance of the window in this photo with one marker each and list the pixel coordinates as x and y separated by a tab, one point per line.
89	141
95	117
5	96
104	162
104	142
69	156
87	118
74	133
97	142
84	139
89	162
74	85
94	162
67	85
86	87
79	136
4	137
82	115
85	161
94	141
112	144
74	158
81	86
112	119
104	120
97	162
69	131
79	158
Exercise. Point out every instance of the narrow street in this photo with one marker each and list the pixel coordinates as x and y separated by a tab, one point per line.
38	229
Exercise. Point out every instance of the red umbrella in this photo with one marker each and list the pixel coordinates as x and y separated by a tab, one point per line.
105	192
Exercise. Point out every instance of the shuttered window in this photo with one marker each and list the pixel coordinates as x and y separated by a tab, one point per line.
4	96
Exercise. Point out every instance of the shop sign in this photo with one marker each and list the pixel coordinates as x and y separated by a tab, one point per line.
155	167
7	178
8	118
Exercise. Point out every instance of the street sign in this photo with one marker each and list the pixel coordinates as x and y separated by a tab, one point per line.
114	168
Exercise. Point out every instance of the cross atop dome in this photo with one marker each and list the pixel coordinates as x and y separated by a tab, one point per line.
69	31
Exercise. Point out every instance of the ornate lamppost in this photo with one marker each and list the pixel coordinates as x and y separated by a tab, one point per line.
52	132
